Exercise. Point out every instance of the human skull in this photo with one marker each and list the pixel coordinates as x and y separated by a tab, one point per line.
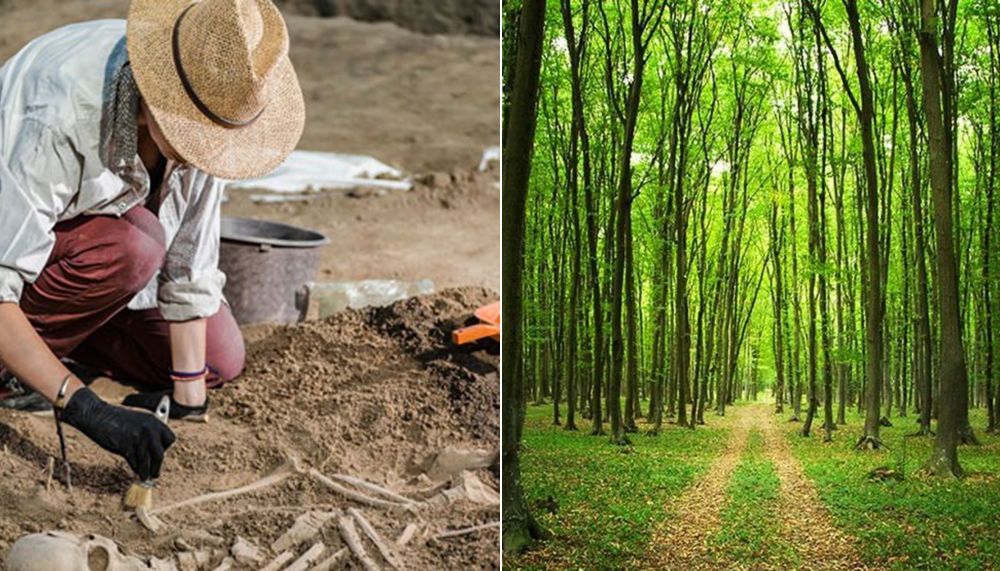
60	551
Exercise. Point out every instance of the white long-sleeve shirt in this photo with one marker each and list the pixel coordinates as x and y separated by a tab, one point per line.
51	100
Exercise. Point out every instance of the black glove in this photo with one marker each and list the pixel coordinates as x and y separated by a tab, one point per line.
139	438
150	401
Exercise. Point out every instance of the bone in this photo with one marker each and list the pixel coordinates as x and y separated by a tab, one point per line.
408	532
277	562
312	554
226	565
467	530
290	467
356	496
476	491
351	538
149	521
59	551
453	460
371	487
50	470
328	563
373	535
186	561
246	553
306	527
467	486
201	538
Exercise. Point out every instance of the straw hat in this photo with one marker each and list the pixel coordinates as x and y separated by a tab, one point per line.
217	78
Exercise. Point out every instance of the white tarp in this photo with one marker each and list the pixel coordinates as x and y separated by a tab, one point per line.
305	170
489	155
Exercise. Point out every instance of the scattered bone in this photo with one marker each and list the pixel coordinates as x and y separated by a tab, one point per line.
157	564
226	565
408	532
427	491
277	562
59	551
451	461
202	557
476	491
306	559
467	530
467	486
149	521
290	467
373	535
372	487
351	538
306	527
356	496
446	497
186	561
201	538
328	563
50	469
246	553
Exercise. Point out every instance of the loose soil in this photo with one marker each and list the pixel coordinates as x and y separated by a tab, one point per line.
375	394
428	16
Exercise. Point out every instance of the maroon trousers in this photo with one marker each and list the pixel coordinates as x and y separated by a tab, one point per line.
78	303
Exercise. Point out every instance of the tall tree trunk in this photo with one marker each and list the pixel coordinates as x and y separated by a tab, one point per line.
519	527
954	380
632	364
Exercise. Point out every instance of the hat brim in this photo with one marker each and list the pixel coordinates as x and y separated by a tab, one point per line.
232	153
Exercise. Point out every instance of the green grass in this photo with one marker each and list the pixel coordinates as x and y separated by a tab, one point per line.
602	502
750	528
921	522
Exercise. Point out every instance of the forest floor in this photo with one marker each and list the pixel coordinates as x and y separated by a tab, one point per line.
753	509
747	491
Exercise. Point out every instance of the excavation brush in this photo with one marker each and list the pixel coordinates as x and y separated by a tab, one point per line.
141	493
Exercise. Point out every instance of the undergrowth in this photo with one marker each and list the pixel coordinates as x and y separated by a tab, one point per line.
601	502
918	522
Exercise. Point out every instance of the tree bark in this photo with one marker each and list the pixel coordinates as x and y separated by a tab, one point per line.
519	527
953	380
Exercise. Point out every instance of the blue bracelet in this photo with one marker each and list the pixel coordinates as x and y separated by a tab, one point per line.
183	375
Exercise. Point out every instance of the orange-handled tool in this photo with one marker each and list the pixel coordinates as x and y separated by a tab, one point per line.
489	316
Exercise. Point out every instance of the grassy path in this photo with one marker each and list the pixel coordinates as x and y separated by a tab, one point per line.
806	523
753	509
682	541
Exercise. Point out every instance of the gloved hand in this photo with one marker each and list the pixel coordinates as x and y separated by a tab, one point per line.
150	401
139	438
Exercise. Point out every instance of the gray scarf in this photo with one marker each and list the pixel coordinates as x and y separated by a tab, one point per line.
119	128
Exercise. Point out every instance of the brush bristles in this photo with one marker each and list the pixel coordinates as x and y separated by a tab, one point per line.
139	495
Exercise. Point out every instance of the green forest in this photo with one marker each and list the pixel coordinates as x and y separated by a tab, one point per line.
751	284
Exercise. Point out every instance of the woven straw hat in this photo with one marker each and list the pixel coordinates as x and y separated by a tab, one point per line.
217	79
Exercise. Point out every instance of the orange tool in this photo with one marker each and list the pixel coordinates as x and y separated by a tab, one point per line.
489	316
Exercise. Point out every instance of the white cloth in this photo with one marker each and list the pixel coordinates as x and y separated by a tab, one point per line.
52	95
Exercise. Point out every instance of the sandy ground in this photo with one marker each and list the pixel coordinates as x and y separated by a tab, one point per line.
422	103
372	394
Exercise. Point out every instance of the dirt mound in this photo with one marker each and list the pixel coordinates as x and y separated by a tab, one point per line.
373	394
426	16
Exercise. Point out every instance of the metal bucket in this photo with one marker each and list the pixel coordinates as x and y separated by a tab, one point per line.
267	267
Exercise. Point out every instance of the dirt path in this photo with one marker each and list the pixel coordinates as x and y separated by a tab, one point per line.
683	542
805	522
